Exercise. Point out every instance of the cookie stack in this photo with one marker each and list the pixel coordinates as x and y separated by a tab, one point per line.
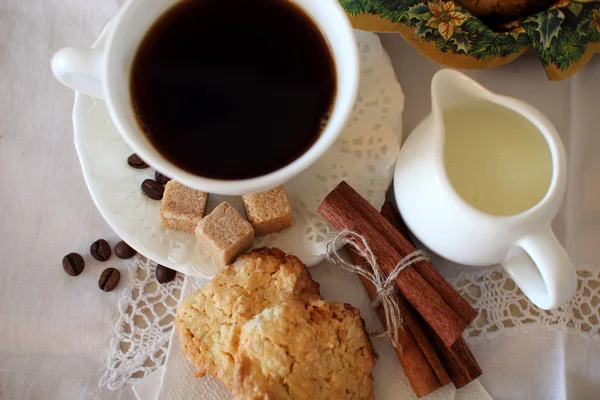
262	328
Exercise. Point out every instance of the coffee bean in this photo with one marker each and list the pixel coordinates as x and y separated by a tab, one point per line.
109	279
73	264
136	162
160	178
124	251
164	274
100	250
153	189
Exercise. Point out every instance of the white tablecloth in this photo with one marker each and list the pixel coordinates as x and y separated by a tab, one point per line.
55	329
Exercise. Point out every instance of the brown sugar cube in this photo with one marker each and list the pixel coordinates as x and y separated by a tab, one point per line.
268	211
182	208
224	234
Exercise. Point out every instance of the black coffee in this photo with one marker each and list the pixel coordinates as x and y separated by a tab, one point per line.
233	89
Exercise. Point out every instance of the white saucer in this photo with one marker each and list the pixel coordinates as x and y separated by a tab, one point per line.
363	155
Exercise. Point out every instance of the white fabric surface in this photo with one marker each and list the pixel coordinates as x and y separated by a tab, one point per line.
147	388
55	330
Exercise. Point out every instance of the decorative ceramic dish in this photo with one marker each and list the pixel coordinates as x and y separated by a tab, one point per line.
565	36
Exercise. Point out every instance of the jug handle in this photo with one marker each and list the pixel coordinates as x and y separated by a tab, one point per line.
80	69
547	276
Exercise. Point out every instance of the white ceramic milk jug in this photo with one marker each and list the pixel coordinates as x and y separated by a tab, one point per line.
479	182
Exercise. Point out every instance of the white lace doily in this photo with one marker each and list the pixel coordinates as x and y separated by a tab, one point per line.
363	155
504	309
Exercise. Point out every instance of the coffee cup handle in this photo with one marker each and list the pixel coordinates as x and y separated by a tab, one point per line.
547	276
80	69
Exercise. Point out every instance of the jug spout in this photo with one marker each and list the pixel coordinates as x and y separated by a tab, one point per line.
449	88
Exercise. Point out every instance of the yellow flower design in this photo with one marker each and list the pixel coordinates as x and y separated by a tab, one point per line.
595	20
445	18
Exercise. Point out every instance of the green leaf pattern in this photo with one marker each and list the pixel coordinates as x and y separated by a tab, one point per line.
355	7
419	11
460	41
560	35
548	26
422	29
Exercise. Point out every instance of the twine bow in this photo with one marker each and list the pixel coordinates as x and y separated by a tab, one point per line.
387	292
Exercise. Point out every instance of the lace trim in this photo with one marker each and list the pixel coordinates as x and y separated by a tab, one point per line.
147	311
504	309
142	332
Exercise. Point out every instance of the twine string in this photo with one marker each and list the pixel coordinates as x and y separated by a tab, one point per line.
387	291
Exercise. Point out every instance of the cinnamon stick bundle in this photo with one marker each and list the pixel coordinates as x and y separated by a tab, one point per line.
415	351
383	223
458	360
356	215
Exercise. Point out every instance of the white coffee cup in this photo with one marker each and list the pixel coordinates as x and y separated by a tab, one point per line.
104	73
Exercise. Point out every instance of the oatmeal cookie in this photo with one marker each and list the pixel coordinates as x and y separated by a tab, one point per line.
299	350
209	321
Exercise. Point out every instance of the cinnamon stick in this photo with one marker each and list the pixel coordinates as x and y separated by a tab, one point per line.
388	211
383	223
341	214
415	352
458	360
